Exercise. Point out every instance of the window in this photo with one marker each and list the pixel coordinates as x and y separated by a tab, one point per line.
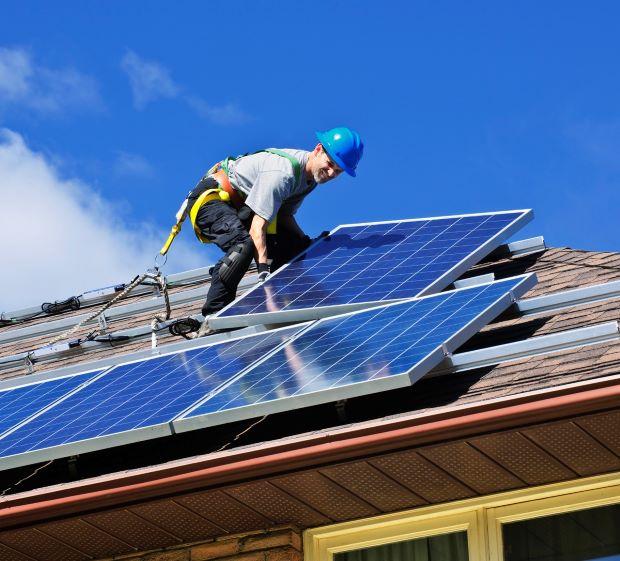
584	534
448	547
570	521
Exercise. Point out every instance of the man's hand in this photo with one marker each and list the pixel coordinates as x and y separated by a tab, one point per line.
323	235
263	271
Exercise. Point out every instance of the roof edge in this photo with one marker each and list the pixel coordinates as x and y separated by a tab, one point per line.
342	444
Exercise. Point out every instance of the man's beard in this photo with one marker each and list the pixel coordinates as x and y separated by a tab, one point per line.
320	176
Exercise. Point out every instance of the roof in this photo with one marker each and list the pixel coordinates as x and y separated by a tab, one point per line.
524	422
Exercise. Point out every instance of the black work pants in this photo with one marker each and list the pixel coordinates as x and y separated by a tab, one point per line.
227	227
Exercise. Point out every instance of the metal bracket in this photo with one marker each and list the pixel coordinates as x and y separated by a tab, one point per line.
341	406
474	281
103	324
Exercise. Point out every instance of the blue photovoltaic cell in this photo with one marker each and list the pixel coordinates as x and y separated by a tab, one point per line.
378	262
17	404
140	394
362	347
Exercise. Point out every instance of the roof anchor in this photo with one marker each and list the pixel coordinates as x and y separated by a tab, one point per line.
154	328
29	364
103	324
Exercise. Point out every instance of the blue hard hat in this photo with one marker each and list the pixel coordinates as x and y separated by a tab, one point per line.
344	146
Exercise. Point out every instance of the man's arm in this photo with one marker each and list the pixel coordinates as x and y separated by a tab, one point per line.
258	233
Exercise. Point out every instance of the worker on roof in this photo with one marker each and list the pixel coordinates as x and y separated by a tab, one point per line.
247	205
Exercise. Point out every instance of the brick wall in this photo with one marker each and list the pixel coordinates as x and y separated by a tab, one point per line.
277	544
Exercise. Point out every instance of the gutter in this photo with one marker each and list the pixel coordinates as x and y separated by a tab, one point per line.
308	451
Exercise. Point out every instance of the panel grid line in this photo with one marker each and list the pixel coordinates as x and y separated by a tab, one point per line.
359	273
80	380
140	395
310	269
390	346
438	256
372	316
364	264
362	326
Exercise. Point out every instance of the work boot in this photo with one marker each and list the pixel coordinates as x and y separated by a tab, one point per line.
203	331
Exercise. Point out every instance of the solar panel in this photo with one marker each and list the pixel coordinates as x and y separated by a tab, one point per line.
20	403
359	353
363	263
134	401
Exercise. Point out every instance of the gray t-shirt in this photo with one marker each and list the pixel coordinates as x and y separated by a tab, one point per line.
268	181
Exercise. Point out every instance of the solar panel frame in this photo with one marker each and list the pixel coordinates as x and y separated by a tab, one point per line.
220	321
187	422
122	437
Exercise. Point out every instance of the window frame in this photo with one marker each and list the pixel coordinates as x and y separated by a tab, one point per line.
481	517
547	506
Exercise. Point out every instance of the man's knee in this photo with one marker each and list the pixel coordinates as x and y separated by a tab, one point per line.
236	262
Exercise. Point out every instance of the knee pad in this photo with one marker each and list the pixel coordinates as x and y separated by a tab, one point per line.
236	262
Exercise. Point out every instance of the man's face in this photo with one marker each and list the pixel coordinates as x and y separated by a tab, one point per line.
324	169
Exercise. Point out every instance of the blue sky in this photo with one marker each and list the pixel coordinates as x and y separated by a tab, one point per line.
111	111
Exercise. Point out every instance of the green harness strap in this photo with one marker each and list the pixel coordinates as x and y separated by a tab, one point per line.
294	161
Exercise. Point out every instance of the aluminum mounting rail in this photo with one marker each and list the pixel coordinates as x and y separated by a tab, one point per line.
116	359
518	249
568	298
62	348
458	362
117	312
102	295
534	346
527	306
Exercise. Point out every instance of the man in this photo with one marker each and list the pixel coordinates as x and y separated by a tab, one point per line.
247	205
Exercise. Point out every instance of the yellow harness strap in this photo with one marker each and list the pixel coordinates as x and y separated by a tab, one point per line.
173	234
272	227
208	196
180	215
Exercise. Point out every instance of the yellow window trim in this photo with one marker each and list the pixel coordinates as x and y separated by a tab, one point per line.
481	517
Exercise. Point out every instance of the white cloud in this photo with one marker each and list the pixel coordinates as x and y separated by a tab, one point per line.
62	238
47	90
149	80
133	165
15	73
229	114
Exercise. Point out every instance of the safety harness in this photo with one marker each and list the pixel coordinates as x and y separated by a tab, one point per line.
223	192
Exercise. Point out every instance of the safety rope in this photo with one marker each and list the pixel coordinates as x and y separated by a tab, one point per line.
161	280
157	319
157	276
